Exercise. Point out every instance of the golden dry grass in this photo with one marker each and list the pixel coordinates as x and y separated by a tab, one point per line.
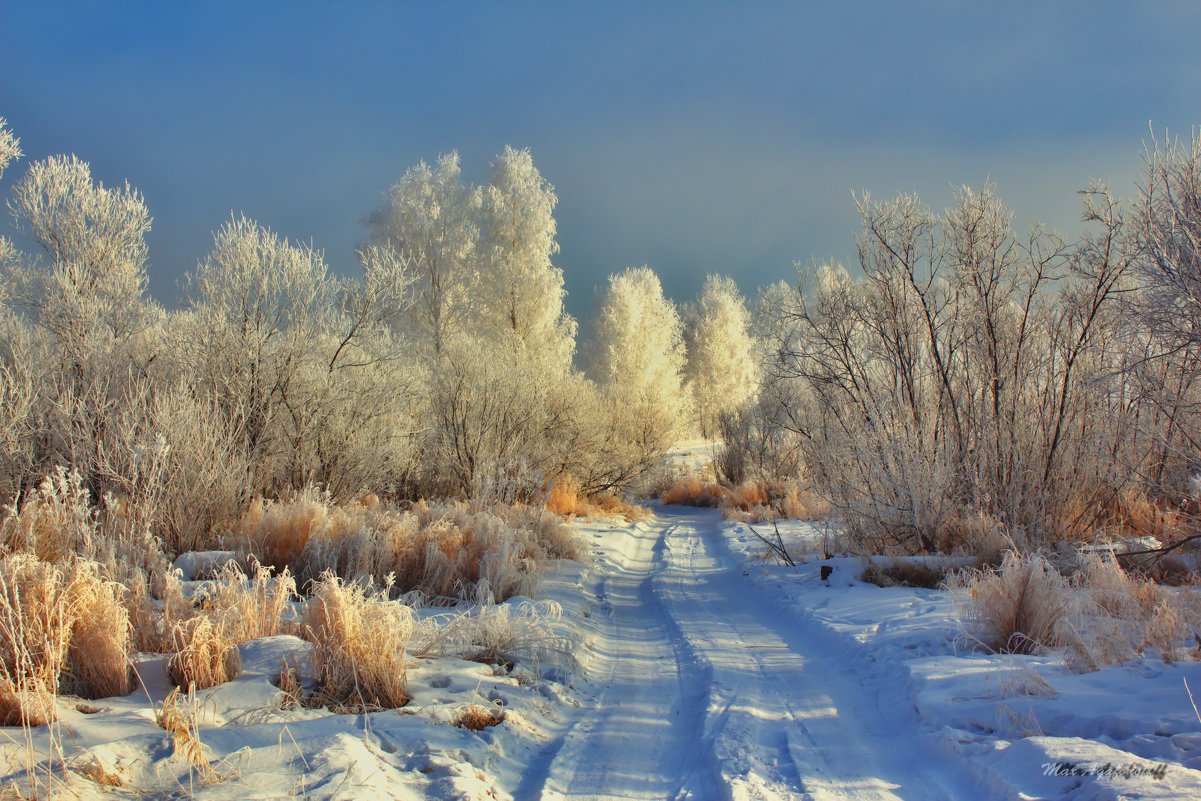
276	532
565	497
359	639
98	664
750	501
248	605
179	715
439	550
63	628
56	523
477	717
1135	514
204	655
1100	615
905	573
35	635
693	492
1017	607
288	682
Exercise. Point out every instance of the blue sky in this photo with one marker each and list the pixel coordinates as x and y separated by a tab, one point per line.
696	137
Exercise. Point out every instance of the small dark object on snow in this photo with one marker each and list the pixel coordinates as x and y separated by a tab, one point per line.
826	571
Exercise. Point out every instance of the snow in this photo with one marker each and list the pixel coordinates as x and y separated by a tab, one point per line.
701	671
1004	716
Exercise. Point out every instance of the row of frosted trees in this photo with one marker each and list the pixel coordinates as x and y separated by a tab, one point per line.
446	366
971	383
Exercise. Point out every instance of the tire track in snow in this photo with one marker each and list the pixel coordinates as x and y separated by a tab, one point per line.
711	692
787	720
643	736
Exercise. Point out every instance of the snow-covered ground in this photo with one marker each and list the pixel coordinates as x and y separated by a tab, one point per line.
258	749
1008	718
701	671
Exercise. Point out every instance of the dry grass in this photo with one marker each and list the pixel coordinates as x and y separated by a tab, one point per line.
179	716
61	629
277	532
204	655
96	771
439	550
1100	615
98	658
1135	514
693	492
907	573
477	717
1121	615
499	634
760	502
1017	607
288	683
248	606
750	501
565	497
359	639
55	523
35	634
977	534
202	633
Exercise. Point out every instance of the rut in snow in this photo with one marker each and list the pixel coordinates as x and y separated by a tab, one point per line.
709	691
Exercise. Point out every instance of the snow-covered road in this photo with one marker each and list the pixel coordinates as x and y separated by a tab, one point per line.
709	692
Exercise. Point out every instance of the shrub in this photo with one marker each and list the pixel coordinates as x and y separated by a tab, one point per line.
359	639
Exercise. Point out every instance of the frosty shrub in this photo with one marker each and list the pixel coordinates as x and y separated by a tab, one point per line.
499	634
967	369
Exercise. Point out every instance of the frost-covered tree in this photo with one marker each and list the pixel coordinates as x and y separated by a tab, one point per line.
10	146
521	290
255	304
429	217
721	353
88	289
639	360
